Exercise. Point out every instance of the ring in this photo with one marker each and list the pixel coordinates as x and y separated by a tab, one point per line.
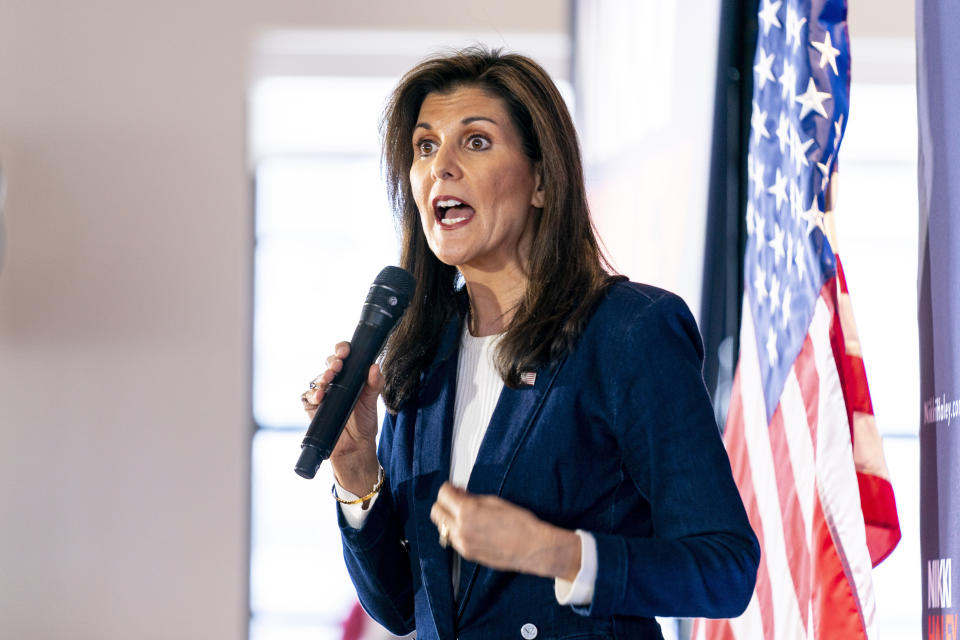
444	535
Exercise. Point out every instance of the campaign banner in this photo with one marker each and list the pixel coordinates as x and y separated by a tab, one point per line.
938	102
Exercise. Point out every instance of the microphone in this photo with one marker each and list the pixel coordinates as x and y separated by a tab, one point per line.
386	301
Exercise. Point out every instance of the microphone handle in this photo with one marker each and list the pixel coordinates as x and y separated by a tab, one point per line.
342	393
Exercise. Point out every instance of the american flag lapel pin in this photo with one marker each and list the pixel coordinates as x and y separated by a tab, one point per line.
528	378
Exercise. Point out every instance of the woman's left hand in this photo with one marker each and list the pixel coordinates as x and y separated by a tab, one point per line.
499	534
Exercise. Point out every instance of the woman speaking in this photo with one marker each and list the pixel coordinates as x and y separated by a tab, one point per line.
549	465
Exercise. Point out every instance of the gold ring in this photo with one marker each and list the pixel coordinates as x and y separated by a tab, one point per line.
444	535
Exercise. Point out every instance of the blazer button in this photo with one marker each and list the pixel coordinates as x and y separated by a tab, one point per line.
528	631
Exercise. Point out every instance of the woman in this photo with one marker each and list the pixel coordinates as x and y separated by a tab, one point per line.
549	465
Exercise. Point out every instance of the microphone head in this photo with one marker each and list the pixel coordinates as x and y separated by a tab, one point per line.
400	280
388	297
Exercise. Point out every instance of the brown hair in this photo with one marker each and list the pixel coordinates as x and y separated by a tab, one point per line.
567	272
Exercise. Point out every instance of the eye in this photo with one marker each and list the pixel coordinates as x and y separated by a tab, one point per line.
477	143
425	147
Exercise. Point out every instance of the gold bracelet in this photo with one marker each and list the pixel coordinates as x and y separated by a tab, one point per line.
376	490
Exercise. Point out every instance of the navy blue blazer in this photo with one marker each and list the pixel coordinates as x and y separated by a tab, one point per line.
619	440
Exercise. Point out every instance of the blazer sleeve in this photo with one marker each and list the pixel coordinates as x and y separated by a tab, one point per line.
375	556
703	555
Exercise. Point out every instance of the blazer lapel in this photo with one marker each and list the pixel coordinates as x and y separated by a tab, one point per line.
512	418
431	468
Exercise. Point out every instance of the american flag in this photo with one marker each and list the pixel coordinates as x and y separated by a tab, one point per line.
801	436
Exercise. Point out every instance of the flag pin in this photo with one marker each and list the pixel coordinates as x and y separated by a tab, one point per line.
528	378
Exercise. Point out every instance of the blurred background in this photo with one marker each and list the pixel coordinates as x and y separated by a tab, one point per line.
193	211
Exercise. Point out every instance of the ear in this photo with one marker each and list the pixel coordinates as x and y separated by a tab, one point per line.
539	195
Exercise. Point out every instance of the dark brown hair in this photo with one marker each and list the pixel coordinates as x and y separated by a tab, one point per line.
566	269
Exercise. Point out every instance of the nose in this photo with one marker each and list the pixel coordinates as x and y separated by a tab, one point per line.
445	165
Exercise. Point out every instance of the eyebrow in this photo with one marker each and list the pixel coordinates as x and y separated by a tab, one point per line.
426	125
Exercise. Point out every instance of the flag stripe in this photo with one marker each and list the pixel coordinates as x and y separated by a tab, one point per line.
744	479
756	438
880	515
836	476
876	493
836	609
805	370
801	453
798	555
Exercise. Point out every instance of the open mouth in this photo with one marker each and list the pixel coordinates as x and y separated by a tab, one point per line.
451	211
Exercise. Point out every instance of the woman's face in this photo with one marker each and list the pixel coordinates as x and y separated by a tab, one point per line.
472	182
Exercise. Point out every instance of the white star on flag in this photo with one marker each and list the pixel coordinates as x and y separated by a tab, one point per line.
779	188
827	52
813	216
794	24
760	285
796	202
763	67
774	293
772	354
788	82
798	151
783	131
785	306
768	15
800	261
812	100
758	122
777	243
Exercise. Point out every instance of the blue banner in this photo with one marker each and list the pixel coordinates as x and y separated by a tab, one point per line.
938	101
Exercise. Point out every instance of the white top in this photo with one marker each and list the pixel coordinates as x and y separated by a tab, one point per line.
478	390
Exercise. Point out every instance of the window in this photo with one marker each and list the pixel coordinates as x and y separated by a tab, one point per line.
323	231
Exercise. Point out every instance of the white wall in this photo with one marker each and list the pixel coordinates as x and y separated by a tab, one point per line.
125	296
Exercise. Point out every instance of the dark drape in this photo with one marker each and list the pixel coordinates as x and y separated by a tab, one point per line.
726	231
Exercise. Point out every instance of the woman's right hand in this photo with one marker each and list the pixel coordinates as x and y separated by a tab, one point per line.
354	458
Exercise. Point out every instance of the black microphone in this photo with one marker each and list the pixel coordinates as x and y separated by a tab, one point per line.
386	301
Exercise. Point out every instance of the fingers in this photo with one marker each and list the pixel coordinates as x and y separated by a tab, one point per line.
445	522
447	511
498	534
340	353
452	499
375	379
334	364
313	396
